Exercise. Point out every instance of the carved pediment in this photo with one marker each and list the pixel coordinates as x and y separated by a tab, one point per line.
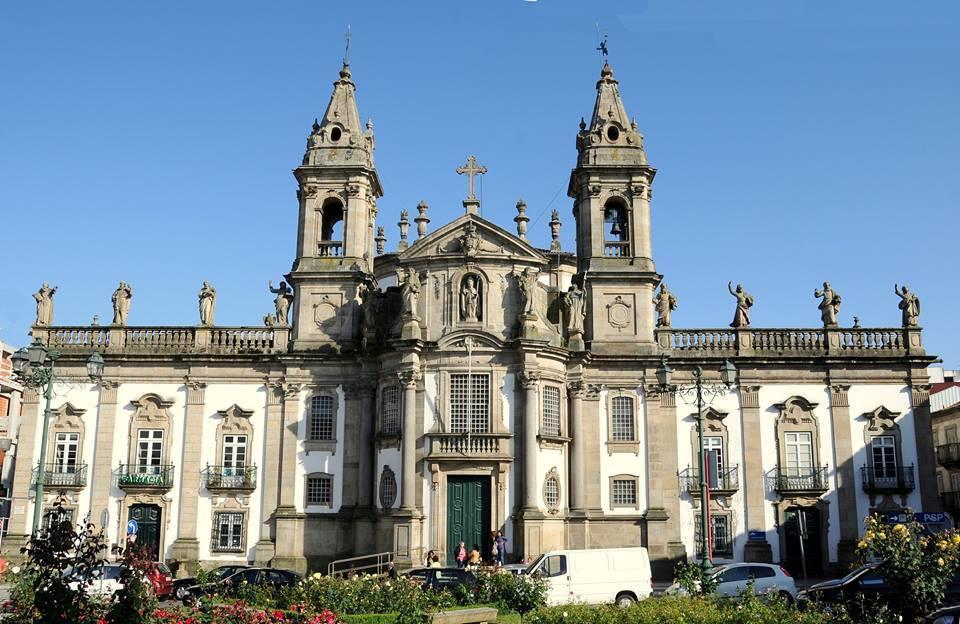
712	419
796	411
881	419
480	340
471	237
152	407
68	418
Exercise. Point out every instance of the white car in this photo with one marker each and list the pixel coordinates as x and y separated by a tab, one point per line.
103	580
595	576
734	578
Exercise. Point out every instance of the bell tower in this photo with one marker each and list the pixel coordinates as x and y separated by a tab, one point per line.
611	190
338	191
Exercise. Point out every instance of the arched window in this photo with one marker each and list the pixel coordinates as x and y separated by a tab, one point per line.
331	228
616	229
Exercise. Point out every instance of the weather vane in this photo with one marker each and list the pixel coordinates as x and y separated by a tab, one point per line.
346	53
602	48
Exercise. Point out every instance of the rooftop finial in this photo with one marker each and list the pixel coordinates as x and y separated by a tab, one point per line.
471	203
602	48
346	47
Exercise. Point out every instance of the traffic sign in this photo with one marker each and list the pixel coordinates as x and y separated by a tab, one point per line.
132	527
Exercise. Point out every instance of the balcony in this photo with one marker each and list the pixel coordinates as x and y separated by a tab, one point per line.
950	502
813	481
948	455
327	248
616	249
230	478
136	478
880	480
62	476
478	446
725	483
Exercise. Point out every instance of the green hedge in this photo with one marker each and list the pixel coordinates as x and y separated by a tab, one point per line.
369	618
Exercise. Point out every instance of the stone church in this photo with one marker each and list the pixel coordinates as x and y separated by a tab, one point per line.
467	381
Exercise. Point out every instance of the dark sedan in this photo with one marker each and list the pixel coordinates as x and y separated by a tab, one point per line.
442	578
264	577
863	586
181	585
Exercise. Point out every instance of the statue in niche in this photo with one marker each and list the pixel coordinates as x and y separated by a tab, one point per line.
121	303
369	304
574	301
410	292
528	286
829	305
208	300
741	318
469	299
909	306
282	302
44	299
665	303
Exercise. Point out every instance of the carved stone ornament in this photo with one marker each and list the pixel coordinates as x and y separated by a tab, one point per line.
324	311
310	190
796	411
528	379
881	419
408	378
592	390
470	241
576	389
618	313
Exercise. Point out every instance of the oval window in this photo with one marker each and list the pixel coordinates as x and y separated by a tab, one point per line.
335	135
612	133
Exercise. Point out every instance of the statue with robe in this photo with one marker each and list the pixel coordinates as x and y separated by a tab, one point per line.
44	299
829	305
469	300
909	306
410	292
664	302
121	303
282	302
574	301
528	286
741	318
207	300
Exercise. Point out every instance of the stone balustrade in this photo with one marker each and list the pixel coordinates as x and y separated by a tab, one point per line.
162	340
772	342
473	445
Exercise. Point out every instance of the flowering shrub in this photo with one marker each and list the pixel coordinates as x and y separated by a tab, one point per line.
690	577
135	600
916	565
240	613
510	592
370	594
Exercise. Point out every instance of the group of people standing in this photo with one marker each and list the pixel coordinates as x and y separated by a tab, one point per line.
473	558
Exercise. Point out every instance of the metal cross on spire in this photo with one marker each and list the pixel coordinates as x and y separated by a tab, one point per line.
602	48
471	169
346	41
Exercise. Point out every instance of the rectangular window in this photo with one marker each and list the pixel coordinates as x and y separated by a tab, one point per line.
624	493
234	452
884	452
228	532
955	482
390	410
320	490
551	411
53	516
713	449
149	451
65	452
621	420
951	432
721	535
799	452
469	403
321	418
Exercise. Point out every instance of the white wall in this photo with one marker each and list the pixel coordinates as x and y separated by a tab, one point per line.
623	463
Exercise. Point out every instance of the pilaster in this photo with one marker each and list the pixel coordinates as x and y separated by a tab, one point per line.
186	548
270	471
289	522
754	480
408	499
926	456
363	524
101	478
846	482
22	513
664	544
530	382
578	495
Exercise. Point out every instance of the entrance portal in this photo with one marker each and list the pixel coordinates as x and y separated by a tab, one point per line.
148	531
812	546
468	515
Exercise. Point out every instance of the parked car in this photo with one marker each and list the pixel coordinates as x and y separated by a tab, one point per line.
866	582
442	578
515	568
948	615
161	578
734	578
265	577
181	585
104	580
601	575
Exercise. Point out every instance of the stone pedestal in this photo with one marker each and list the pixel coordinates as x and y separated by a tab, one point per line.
290	542
663	546
263	553
186	551
528	326
408	548
757	551
575	342
411	328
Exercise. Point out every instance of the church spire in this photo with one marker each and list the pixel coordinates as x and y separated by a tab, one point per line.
611	134
339	133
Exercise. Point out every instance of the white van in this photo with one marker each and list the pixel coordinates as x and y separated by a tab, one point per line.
595	576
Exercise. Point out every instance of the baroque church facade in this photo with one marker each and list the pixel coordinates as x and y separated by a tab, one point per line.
467	382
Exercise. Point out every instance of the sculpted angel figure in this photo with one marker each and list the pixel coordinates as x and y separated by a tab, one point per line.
909	306
282	302
410	292
741	318
208	300
121	303
573	301
829	304
469	299
664	302
44	299
528	286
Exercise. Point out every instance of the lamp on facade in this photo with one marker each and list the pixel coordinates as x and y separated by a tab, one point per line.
95	366
37	353
664	373
19	360
728	373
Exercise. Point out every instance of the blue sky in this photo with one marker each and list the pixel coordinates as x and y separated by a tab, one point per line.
795	142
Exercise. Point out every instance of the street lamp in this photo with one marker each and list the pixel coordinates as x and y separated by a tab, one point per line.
34	367
728	377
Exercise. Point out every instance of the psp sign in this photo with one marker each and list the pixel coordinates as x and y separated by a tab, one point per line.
899	517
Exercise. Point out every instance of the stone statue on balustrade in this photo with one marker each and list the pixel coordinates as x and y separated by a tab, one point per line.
208	301
410	293
528	288
44	298
370	300
741	318
282	302
909	306
829	305
121	303
574	302
469	300
664	302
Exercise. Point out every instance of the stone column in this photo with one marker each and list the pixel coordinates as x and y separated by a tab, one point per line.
578	480
290	523
846	483
363	530
186	548
408	499
754	480
592	447
664	545
926	454
21	514
270	474
351	445
530	381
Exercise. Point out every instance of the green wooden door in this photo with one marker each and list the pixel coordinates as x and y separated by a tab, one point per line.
148	532
468	515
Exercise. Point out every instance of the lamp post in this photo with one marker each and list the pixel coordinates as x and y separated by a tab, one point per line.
728	375
34	367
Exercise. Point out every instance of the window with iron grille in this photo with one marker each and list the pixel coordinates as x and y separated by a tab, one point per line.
621	419
551	411
721	535
320	490
321	418
551	492
390	410
54	516
624	492
388	488
228	532
469	403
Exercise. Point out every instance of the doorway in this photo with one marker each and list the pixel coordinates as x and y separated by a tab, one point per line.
809	519
148	531
468	515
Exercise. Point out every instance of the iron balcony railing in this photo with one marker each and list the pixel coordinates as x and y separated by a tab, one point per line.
948	455
137	476
887	479
794	480
725	481
62	475
230	477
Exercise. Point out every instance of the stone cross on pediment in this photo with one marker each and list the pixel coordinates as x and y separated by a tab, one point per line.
472	169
